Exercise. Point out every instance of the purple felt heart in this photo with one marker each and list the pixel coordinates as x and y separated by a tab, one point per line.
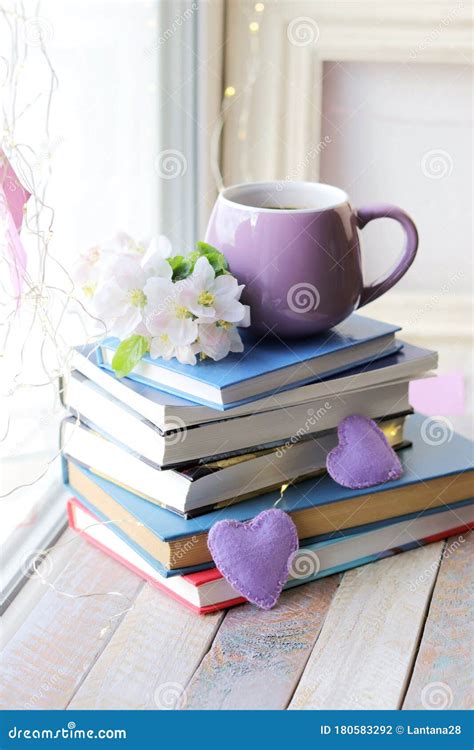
363	457
255	556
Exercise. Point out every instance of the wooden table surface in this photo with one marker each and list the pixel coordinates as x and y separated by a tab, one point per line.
393	634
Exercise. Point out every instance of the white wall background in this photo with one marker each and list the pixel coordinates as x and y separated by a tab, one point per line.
403	134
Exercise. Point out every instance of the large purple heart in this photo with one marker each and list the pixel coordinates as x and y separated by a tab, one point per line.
363	457
255	556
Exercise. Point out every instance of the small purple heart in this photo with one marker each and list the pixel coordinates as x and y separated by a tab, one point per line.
255	556
363	457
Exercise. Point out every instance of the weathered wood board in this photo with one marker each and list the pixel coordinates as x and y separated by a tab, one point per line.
364	654
57	644
442	677
257	657
150	658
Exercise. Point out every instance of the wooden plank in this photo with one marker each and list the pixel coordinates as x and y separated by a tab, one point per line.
442	677
16	613
257	657
43	664
363	656
150	658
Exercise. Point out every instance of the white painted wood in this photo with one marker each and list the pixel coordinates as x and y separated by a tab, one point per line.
442	678
440	315
211	44
151	657
257	657
364	654
43	664
33	590
286	119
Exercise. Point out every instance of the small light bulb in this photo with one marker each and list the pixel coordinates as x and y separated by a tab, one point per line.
230	91
254	27
259	7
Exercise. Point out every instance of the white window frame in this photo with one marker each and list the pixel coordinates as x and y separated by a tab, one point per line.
191	67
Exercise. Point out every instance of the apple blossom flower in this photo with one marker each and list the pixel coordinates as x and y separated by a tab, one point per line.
136	290
165	313
123	244
162	346
88	270
120	301
213	298
216	340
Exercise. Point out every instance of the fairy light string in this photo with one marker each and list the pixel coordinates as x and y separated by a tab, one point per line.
241	98
48	302
44	303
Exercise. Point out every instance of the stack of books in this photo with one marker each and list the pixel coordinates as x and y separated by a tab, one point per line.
155	459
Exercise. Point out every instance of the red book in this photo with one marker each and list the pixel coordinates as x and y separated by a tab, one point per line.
207	591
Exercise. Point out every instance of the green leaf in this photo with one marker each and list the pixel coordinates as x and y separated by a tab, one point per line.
214	256
192	258
218	262
128	353
181	267
203	248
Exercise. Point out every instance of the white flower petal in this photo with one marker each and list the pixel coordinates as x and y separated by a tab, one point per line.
236	344
186	355
161	347
125	325
155	265
201	311
160	294
121	244
182	331
230	310
110	301
203	274
226	285
159	323
161	245
214	341
245	322
128	273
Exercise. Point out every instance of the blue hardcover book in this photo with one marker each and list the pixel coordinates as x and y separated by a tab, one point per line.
435	474
267	365
166	410
206	591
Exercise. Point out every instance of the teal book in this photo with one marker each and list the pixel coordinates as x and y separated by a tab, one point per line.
267	365
435	475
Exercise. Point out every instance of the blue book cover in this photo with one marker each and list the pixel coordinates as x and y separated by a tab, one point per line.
408	354
425	461
313	542
262	358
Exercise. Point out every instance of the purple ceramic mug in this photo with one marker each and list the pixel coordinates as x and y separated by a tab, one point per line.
295	246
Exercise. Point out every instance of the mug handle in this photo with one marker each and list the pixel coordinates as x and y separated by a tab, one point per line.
387	211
